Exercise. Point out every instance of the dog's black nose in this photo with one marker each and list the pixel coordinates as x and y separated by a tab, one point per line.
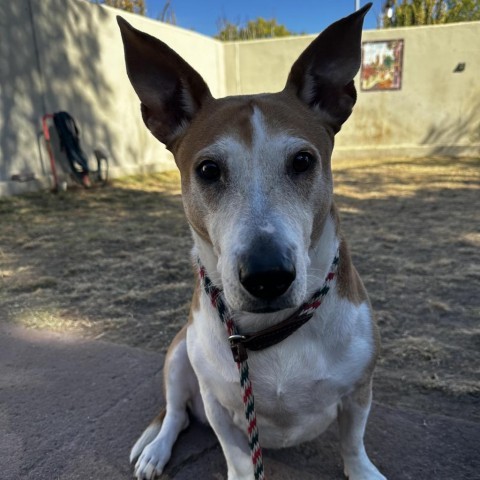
266	274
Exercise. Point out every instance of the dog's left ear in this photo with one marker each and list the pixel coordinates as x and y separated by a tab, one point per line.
171	92
322	77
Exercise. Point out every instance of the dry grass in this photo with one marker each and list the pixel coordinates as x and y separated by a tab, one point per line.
111	262
114	263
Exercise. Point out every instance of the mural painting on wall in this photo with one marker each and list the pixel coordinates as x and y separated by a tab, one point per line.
381	65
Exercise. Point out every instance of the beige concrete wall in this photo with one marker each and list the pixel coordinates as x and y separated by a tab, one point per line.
437	111
260	66
68	55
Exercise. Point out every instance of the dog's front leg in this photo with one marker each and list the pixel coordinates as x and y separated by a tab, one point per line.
233	441
352	419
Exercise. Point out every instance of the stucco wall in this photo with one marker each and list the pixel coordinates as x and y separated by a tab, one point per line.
437	110
67	55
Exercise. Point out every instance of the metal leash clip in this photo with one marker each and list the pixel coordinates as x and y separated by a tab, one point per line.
238	348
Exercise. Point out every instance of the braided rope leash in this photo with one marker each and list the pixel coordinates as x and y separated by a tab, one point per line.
218	302
306	311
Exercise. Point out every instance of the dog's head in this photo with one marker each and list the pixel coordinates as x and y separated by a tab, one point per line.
256	176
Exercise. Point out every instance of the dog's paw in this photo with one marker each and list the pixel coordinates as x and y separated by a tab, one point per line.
152	461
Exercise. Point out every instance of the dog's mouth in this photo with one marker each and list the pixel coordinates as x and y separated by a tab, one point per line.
265	309
262	306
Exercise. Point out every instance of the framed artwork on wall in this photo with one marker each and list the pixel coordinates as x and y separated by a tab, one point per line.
382	65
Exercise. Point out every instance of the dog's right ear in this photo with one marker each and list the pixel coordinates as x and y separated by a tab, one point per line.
170	90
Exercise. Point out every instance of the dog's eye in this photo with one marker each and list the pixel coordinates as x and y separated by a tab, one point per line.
209	170
302	161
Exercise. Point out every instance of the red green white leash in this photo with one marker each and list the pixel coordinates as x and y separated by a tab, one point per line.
306	311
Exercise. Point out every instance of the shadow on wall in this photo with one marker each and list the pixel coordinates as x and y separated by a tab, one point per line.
50	56
448	137
19	75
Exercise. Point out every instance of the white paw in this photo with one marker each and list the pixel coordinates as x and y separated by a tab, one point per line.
152	461
147	436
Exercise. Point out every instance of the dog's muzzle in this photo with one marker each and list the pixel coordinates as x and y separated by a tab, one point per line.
268	271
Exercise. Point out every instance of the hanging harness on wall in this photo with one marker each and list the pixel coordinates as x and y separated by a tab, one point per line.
69	135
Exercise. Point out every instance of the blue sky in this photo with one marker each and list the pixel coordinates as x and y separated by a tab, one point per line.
309	16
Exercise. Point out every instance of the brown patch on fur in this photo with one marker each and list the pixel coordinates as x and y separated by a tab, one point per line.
158	420
362	395
201	231
231	116
350	286
182	334
228	116
318	222
179	337
349	283
224	117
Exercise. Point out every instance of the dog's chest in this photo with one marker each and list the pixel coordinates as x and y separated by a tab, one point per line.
298	383
297	392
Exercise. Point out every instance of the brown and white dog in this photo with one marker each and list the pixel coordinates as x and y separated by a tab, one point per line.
257	190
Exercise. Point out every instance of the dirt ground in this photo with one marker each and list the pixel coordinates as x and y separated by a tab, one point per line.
114	263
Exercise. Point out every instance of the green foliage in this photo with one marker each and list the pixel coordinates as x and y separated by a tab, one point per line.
407	13
463	11
133	6
259	28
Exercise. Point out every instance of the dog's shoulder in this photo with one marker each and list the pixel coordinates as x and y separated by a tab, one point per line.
349	283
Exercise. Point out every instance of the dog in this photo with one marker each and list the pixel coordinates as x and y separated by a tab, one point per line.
257	190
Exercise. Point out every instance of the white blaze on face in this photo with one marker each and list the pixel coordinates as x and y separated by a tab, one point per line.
260	203
268	228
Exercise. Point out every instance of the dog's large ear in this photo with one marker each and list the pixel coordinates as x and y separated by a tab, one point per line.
322	77
170	90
